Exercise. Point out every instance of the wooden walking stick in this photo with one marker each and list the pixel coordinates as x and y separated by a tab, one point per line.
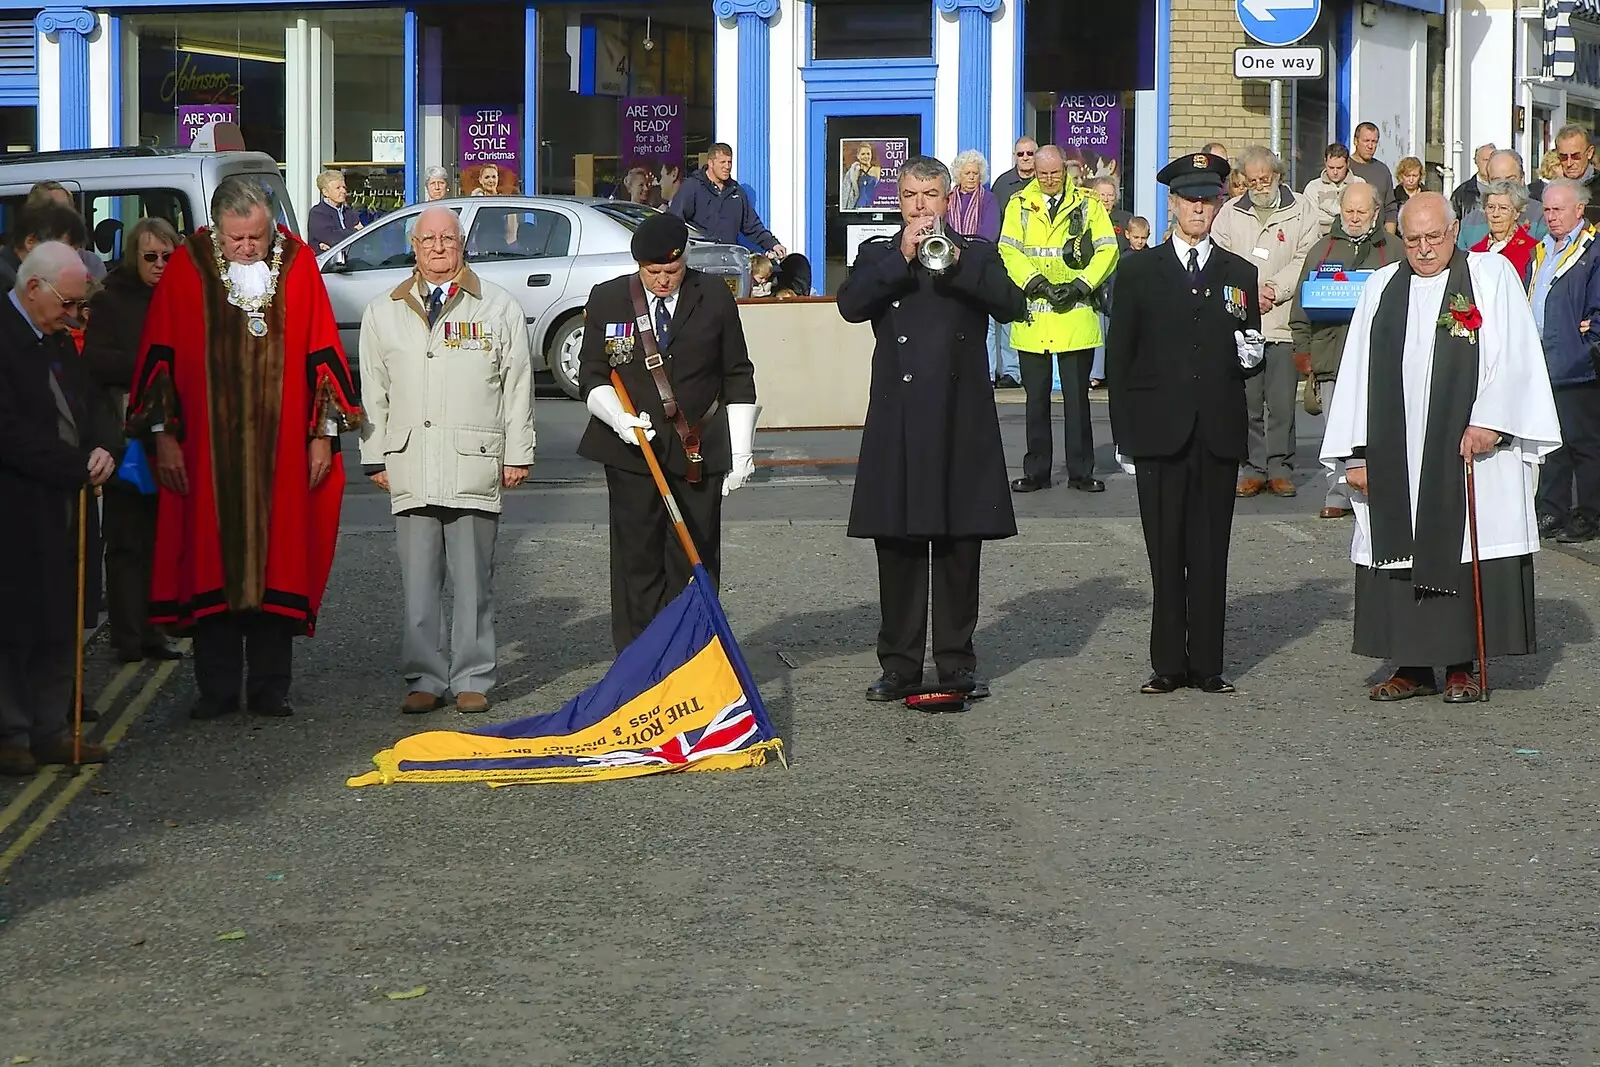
1477	582
77	673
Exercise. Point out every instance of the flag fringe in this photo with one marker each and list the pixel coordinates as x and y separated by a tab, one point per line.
388	770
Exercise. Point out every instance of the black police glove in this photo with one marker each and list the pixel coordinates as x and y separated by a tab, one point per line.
1064	296
1038	288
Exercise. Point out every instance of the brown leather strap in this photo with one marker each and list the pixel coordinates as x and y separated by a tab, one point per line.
655	363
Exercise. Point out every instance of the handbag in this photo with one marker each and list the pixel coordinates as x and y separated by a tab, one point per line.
135	468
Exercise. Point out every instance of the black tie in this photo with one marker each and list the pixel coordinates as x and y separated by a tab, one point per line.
1055	204
1194	266
663	322
435	305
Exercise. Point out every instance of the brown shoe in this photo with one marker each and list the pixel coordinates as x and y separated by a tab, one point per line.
17	760
60	751
1250	487
1281	487
1400	687
1461	687
471	703
1333	513
419	703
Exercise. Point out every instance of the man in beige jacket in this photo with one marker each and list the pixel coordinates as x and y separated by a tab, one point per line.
1326	190
1275	230
447	384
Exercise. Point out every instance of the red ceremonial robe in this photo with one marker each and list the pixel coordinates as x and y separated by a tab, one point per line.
250	535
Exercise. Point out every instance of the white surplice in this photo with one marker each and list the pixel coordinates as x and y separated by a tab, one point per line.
1514	399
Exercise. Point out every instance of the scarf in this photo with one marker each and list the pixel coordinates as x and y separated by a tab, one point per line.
962	214
1435	547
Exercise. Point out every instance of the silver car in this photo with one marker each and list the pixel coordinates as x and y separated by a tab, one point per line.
547	251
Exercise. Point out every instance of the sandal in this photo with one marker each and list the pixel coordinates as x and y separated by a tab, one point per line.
1461	687
1399	687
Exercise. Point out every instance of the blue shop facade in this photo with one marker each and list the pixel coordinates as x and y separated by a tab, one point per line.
804	90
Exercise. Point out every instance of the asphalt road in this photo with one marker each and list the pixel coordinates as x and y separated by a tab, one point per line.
1070	874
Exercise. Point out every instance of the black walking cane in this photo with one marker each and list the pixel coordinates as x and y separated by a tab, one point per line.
1477	582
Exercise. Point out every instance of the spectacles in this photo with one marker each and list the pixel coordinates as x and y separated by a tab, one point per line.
1572	157
67	305
157	257
1430	239
437	240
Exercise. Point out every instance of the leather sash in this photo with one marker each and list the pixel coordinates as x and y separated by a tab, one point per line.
656	365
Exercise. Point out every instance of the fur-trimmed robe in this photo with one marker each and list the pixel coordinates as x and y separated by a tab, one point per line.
250	534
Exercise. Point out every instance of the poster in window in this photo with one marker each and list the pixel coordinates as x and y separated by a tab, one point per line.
870	178
611	64
1089	129
650	155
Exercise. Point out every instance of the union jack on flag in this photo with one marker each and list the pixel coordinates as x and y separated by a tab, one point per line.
728	732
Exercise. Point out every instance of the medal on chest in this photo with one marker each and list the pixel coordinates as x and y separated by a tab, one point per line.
1234	299
619	343
256	323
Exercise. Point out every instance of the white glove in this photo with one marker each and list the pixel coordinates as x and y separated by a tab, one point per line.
605	405
742	437
1252	348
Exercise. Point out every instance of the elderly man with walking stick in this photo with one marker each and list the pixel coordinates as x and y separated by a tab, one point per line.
1442	390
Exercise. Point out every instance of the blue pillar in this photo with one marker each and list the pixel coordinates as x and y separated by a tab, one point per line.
974	78
70	26
412	190
753	157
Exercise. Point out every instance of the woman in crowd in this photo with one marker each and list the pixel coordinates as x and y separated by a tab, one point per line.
973	210
1503	204
437	185
1408	177
111	348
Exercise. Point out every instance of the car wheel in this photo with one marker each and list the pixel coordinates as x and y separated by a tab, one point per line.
561	354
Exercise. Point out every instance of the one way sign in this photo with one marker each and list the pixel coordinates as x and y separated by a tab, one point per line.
1278	22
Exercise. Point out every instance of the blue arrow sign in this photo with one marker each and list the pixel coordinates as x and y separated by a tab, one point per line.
1278	22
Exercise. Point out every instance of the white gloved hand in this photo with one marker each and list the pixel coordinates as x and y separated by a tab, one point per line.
742	438
1252	347
604	404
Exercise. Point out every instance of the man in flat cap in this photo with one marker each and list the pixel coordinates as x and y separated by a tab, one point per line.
1185	334
673	336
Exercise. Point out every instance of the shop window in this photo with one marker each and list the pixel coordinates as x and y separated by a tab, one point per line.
871	29
510	233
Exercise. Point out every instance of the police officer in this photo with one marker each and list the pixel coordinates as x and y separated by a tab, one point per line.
931	482
673	336
1185	334
1059	247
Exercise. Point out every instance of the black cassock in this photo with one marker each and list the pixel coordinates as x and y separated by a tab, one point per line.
706	361
931	479
1178	411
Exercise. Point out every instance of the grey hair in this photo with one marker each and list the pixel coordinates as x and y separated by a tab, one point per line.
1105	179
1516	192
971	155
1568	132
1428	198
1370	191
326	178
435	172
133	236
1579	191
49	262
455	219
925	169
1256	154
239	197
1513	154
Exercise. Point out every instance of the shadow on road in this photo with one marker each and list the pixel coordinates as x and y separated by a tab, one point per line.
1052	623
1263	624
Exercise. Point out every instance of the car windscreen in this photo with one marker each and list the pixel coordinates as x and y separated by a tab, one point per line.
632	215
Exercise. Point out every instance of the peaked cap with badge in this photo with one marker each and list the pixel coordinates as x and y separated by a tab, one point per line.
1200	176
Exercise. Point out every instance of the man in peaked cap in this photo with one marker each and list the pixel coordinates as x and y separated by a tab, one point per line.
1185	334
673	336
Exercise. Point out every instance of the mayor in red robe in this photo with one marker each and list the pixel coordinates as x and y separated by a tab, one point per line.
242	376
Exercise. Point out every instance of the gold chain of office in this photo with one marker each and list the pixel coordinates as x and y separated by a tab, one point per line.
254	307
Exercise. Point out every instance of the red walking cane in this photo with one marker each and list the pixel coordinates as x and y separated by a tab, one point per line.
1477	582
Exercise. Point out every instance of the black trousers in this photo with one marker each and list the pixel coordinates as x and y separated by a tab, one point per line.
1075	367
226	643
130	537
1577	461
648	567
1186	506
903	567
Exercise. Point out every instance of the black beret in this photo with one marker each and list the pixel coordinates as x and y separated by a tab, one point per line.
661	238
1195	177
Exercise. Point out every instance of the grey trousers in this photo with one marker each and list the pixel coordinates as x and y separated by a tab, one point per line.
1338	492
436	543
1272	429
36	692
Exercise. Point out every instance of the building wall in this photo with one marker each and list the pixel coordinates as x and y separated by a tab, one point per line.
1388	81
1207	102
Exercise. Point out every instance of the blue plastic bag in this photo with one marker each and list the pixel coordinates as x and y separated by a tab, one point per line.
135	468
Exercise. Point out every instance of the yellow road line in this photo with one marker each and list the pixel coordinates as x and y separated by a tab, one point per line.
114	688
24	800
85	775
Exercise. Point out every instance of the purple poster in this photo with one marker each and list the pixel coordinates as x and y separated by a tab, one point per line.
869	172
650	152
490	135
191	117
1090	124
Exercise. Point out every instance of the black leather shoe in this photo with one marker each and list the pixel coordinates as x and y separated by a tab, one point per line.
205	709
966	682
1008	382
1027	485
893	687
1215	683
1160	684
1550	526
1087	485
1580	528
281	709
163	651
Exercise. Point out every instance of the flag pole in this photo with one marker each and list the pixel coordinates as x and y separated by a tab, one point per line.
681	528
1477	581
77	671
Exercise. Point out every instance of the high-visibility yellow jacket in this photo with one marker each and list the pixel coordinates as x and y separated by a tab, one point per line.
1080	244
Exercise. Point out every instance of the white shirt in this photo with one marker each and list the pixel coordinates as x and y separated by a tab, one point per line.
250	279
1182	246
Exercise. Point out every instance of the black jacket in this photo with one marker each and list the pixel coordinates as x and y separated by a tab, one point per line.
111	350
931	464
1172	367
322	225
1006	186
40	475
725	214
706	360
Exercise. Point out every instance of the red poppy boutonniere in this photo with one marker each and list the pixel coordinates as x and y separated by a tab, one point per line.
1462	318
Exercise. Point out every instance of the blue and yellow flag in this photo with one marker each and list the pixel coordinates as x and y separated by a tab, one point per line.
680	698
